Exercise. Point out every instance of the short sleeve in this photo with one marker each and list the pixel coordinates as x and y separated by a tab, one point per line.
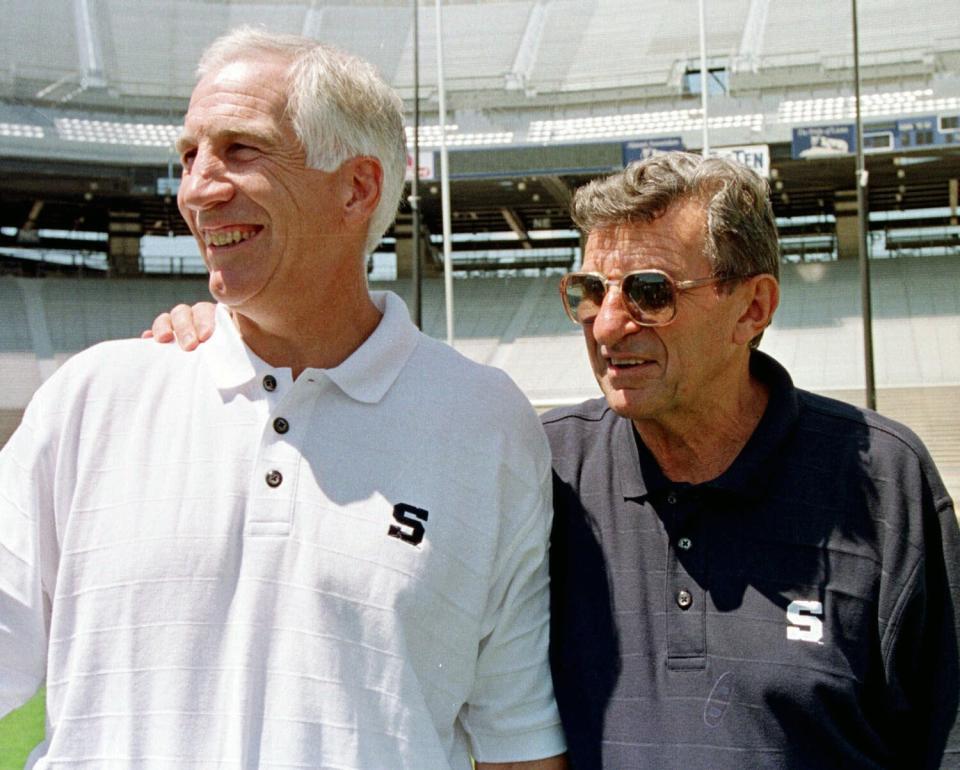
920	646
27	558
511	714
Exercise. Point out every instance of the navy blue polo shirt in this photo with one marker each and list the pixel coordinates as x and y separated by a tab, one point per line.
797	611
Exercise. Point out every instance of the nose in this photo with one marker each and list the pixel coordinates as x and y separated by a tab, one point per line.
205	183
613	323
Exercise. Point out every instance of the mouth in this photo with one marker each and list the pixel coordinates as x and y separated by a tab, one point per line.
630	372
624	364
224	237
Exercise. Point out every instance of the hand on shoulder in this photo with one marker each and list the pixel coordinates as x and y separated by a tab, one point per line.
188	325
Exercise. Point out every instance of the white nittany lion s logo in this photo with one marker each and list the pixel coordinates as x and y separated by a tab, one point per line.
803	625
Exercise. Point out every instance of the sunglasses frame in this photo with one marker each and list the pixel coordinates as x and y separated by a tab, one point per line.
678	288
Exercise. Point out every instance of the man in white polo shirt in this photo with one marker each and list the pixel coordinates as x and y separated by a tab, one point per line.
320	540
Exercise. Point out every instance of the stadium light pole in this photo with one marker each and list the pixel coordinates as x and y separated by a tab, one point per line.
703	78
416	277
444	180
862	225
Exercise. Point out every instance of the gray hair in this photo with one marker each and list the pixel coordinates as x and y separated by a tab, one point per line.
339	106
741	237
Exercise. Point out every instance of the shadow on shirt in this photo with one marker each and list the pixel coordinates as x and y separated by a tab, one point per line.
867	539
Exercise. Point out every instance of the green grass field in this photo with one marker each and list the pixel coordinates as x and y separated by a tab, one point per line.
19	733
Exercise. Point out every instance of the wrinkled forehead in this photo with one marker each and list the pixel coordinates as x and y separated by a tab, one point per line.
623	248
673	242
243	96
245	85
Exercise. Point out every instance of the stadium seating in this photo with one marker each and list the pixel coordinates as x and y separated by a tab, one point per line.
518	324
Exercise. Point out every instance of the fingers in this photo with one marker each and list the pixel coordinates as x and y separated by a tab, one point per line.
204	319
182	326
188	325
161	330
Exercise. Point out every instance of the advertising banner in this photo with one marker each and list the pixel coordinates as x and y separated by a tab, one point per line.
641	149
823	141
755	156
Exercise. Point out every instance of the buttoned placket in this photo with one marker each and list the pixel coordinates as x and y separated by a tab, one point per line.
686	588
287	406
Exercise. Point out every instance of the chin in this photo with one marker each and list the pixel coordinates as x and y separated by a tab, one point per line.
617	400
626	403
230	293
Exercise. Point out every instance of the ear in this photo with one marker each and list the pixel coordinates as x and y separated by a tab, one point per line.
761	296
364	184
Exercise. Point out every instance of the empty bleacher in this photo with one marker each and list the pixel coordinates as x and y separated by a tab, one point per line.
134	48
564	24
138	45
819	32
480	44
518	325
362	31
30	26
518	71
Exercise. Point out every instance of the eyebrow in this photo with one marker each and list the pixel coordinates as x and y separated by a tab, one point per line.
183	141
254	135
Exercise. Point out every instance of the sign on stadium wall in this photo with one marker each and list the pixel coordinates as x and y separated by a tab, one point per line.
641	149
878	136
912	133
823	141
426	167
755	156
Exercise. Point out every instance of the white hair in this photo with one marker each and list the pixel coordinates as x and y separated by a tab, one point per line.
339	106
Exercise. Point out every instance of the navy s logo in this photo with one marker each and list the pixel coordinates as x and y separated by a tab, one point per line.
409	526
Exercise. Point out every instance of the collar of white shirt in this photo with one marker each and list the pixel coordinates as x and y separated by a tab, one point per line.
366	375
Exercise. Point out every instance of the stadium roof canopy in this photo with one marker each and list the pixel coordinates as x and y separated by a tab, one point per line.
542	94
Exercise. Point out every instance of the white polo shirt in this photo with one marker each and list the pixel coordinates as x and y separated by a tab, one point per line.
215	566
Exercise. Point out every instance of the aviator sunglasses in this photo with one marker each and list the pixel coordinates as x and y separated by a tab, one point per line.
650	296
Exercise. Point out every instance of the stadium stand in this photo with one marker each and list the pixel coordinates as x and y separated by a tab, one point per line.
518	325
480	45
891	36
360	30
25	32
541	93
651	51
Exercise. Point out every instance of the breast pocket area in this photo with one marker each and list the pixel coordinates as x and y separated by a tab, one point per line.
372	541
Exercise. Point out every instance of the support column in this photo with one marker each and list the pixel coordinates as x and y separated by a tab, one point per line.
123	244
32	290
403	231
954	192
847	227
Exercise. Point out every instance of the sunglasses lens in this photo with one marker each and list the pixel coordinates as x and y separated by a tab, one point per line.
651	297
584	295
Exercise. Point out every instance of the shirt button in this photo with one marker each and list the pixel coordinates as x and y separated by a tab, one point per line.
280	425
684	599
672	499
274	478
269	382
684	544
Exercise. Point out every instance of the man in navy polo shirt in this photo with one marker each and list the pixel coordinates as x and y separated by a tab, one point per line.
745	574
